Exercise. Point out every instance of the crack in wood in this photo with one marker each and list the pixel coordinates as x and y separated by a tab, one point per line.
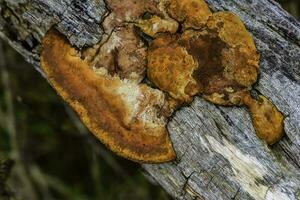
186	123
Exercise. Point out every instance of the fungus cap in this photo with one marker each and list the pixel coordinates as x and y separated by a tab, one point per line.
105	106
170	68
267	119
192	13
211	61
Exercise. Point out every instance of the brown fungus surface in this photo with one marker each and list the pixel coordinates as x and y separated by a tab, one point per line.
124	115
223	67
191	13
267	119
217	59
128	11
156	25
171	68
123	54
191	51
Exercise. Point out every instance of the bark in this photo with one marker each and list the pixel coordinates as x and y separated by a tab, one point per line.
218	154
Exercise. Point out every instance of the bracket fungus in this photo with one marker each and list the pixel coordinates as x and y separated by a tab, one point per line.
126	116
191	13
213	56
191	51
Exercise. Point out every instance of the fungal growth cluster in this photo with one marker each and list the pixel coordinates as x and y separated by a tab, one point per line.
154	57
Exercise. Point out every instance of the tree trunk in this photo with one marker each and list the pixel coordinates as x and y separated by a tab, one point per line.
218	153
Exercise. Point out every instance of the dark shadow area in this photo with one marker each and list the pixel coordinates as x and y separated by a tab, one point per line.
55	155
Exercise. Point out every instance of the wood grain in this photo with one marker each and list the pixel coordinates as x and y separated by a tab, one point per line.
219	155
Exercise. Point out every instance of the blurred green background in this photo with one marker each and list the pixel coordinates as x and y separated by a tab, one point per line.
54	155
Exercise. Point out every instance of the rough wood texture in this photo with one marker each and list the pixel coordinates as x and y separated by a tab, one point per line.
219	155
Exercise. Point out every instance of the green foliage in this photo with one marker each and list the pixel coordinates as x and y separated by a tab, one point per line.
5	167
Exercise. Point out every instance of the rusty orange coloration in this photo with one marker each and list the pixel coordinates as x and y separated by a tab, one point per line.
216	59
267	120
171	68
191	13
191	51
223	67
123	115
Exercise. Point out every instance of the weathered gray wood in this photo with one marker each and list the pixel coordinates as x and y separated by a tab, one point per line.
219	155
